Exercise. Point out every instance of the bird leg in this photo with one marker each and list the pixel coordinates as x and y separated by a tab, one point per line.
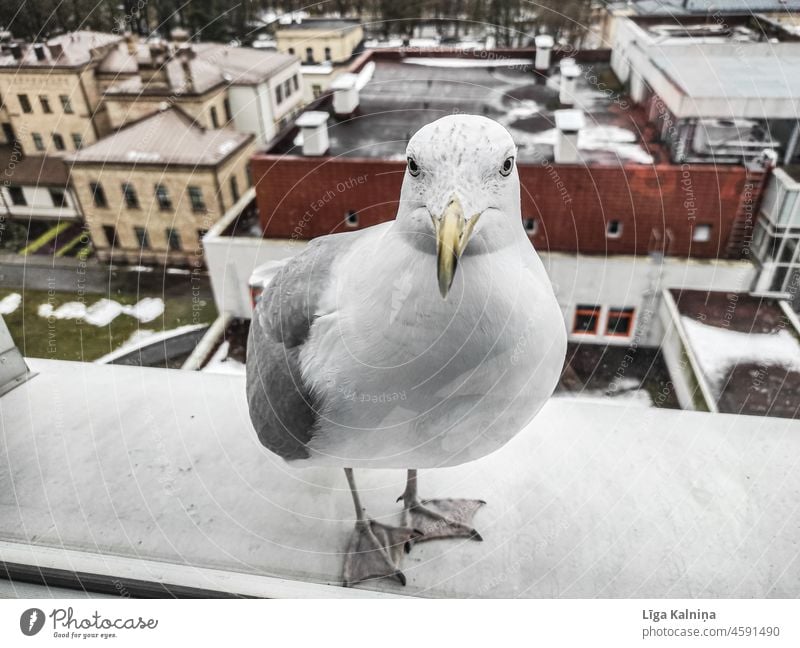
374	549
438	518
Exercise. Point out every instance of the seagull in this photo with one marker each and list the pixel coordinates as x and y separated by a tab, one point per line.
424	342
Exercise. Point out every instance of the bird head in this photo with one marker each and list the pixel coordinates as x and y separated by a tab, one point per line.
461	190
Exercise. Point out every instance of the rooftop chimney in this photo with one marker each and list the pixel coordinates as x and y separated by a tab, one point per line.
56	50
568	126
130	41
566	92
544	46
314	129
345	94
16	51
38	49
179	35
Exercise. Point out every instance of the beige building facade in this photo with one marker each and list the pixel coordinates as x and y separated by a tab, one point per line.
319	41
152	203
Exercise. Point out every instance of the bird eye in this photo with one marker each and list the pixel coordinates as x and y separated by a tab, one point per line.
508	165
413	167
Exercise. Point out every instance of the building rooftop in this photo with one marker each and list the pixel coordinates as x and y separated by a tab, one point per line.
322	24
759	72
403	94
706	7
747	348
156	475
243	65
167	137
74	49
37	170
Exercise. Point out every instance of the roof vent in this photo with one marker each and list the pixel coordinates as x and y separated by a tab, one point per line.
38	49
16	51
566	91
56	50
544	46
314	129
345	94
568	124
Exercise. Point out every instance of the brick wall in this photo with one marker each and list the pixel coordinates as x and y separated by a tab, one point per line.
306	197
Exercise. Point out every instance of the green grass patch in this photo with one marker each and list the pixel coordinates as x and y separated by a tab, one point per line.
71	339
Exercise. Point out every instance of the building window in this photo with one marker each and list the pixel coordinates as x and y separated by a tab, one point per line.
586	319
173	239
66	103
316	90
614	229
98	195
162	196
45	102
296	83
77	141
531	225
291	51
701	233
58	142
200	234
309	55
130	196
227	107
214	118
141	236
17	196
351	219
327	53
58	197
25	103
287	88
111	234
620	322
278	93
38	142
196	198
234	188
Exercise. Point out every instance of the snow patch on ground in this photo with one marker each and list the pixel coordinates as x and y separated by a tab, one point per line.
718	349
627	397
220	363
104	311
523	109
10	303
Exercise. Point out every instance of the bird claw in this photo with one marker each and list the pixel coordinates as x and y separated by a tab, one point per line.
443	518
375	551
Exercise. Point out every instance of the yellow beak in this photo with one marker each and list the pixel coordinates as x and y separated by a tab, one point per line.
452	234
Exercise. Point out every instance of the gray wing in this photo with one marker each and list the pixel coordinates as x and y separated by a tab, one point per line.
282	408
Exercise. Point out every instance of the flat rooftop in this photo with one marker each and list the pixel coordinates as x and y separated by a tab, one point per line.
404	94
156	474
756	71
747	348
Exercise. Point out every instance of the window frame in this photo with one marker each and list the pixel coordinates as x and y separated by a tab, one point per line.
44	102
23	201
77	141
99	198
66	104
58	142
619	312
53	191
25	103
197	199
582	310
214	117
351	218
130	196
142	237
112	241
174	243
618	233
162	197
534	229
38	142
